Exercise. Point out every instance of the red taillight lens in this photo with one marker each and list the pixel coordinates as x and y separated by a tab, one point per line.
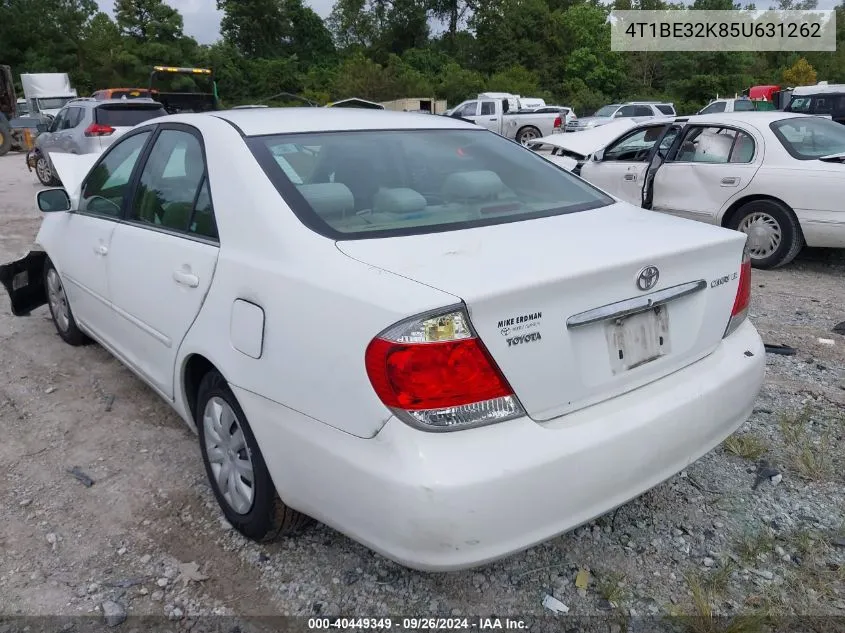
743	295
97	129
557	122
434	373
418	376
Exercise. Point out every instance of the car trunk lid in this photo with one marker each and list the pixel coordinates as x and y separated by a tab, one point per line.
539	294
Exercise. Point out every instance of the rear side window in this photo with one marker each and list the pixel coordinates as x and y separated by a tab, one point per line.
126	116
743	105
351	185
666	109
643	111
715	145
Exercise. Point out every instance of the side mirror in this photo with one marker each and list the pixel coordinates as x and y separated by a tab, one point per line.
617	115
50	200
598	156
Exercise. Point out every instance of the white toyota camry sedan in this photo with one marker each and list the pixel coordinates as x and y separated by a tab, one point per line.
776	176
404	326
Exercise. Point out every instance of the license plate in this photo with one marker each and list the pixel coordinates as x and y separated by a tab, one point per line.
638	339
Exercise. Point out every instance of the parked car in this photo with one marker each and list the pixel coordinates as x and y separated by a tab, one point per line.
775	176
739	104
87	125
583	366
567	112
637	110
822	99
521	126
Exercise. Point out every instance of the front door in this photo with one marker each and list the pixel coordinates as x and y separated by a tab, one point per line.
710	166
82	246
163	256
624	164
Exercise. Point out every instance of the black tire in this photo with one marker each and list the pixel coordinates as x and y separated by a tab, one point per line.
5	139
782	220
268	517
44	171
64	321
527	134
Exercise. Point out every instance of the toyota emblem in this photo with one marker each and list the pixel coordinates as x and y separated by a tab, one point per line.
647	278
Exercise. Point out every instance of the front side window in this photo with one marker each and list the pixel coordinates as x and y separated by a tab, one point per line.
635	146
627	110
808	138
714	145
743	105
348	185
170	181
468	109
106	186
713	108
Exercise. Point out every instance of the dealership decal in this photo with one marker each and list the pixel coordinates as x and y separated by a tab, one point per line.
524	338
520	323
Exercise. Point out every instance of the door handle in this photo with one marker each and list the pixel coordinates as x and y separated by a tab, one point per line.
102	249
630	177
729	181
185	279
492	119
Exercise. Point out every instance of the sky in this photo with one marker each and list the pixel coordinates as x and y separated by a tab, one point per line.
202	19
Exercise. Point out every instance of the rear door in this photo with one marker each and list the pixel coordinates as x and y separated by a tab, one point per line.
163	255
711	165
623	166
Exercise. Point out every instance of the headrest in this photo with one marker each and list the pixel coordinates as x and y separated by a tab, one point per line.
328	198
468	185
399	200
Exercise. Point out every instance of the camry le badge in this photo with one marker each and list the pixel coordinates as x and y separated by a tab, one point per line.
647	278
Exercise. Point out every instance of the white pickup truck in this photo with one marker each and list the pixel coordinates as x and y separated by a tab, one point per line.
497	114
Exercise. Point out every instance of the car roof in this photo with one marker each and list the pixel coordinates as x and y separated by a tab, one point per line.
95	103
261	121
754	117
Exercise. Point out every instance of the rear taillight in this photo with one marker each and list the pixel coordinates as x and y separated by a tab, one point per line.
434	373
558	122
743	294
97	129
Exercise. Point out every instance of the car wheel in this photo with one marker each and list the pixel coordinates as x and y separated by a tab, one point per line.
236	468
44	171
527	135
60	307
774	235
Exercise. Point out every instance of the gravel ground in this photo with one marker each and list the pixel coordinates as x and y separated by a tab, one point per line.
753	528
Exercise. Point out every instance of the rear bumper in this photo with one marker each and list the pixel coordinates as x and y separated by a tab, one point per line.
453	500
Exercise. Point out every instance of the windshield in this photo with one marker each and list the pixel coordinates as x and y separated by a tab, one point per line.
606	111
53	103
352	185
807	138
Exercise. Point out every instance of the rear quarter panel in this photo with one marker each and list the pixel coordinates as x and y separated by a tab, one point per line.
321	308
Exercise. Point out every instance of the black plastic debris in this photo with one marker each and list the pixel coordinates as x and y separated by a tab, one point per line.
784	350
81	476
839	328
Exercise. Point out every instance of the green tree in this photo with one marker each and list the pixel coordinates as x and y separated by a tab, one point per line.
148	20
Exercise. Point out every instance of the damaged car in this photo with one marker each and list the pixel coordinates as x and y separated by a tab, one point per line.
774	176
429	338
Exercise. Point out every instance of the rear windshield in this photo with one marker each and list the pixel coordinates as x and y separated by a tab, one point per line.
130	94
807	138
666	109
353	185
127	116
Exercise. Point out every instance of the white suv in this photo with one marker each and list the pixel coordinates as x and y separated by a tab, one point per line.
636	110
